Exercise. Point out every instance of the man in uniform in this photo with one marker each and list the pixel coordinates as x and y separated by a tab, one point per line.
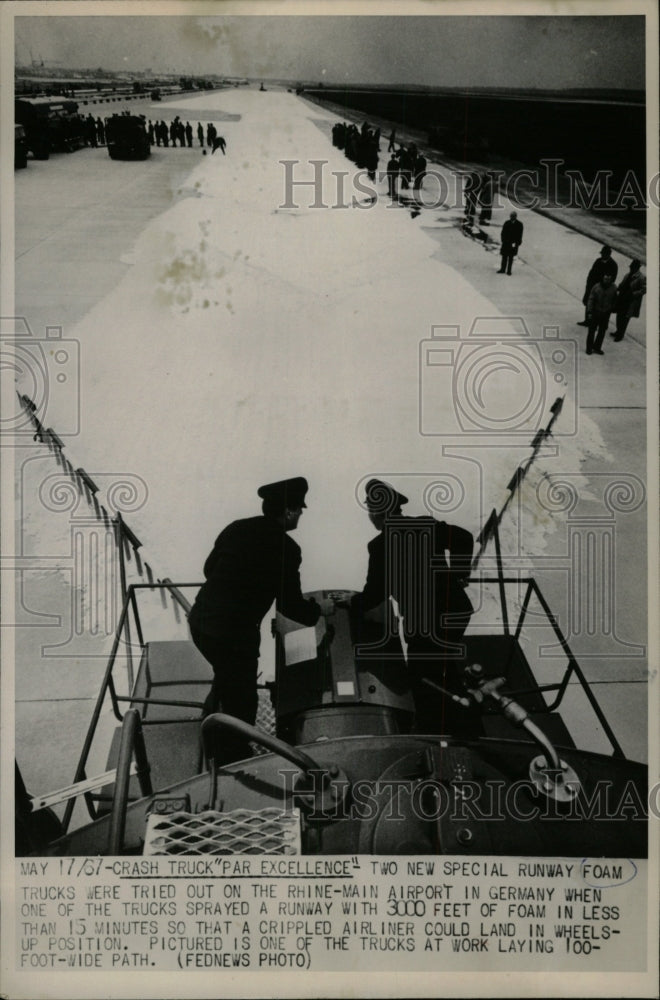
601	302
603	264
253	563
423	564
511	238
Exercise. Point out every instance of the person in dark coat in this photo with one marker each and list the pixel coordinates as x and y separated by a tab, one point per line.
371	160
90	131
200	133
392	176
420	171
189	134
603	264
150	132
423	564
471	190
600	305
406	164
629	298
486	200
512	236
253	562
211	133
218	143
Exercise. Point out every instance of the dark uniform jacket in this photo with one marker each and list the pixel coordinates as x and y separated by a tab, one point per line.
422	563
512	236
253	562
601	266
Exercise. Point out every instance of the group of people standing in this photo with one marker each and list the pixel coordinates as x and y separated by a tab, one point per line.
602	297
94	131
408	165
479	191
162	134
361	145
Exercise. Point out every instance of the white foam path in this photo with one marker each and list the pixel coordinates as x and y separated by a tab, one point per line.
250	342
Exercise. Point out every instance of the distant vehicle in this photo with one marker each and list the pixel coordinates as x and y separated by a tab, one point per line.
20	148
126	138
51	124
155	95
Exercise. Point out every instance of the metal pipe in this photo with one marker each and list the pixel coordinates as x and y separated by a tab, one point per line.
500	576
220	721
122	783
177	596
141	760
80	770
552	757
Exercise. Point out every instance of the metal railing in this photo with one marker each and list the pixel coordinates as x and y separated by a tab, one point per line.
572	668
130	609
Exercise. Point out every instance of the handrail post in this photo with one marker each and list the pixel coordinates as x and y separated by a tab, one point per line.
523	610
119	536
574	665
500	577
122	781
91	729
136	615
141	760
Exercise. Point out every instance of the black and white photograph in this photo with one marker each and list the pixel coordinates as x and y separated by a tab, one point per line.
329	443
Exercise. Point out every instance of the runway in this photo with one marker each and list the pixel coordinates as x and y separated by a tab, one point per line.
227	339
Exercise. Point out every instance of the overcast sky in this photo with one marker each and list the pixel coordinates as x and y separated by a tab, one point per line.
605	51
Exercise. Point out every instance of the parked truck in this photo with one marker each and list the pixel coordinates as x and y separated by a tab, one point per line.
126	138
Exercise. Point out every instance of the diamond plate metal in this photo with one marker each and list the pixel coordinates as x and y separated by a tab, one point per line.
241	831
265	719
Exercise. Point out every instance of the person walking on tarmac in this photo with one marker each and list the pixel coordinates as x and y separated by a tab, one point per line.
629	298
603	264
253	562
392	176
424	565
600	304
512	236
218	143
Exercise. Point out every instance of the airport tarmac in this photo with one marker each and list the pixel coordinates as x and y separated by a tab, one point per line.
226	340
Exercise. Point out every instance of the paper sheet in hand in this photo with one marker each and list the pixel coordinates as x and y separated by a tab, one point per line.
300	645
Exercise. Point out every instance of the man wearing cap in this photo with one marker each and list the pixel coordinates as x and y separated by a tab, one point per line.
603	264
253	563
423	564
